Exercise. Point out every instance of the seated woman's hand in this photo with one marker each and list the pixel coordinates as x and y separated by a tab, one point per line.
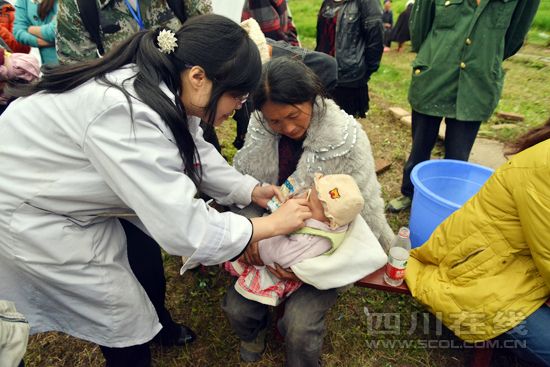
263	193
285	274
251	255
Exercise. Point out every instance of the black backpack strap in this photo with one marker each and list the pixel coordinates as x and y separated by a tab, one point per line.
89	13
178	8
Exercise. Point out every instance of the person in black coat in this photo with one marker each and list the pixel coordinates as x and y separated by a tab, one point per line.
401	33
352	31
387	21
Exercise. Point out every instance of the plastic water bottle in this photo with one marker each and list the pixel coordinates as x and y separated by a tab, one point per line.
292	186
397	258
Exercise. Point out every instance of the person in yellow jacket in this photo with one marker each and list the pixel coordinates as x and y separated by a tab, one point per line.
486	269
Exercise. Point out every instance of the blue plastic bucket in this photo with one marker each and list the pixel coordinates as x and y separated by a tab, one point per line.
440	187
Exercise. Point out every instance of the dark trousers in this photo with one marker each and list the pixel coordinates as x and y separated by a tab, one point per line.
353	100
145	259
459	139
134	356
302	325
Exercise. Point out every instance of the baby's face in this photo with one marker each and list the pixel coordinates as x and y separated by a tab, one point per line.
316	206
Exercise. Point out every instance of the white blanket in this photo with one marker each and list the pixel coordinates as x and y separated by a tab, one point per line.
358	256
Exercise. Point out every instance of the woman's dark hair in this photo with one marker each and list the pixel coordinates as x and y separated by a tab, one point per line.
45	7
530	138
287	81
178	8
217	44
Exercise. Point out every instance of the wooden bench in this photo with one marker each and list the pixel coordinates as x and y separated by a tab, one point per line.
376	281
482	356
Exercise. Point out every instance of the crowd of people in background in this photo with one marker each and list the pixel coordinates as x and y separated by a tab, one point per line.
103	183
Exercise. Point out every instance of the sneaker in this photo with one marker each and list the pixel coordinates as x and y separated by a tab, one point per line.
399	204
252	351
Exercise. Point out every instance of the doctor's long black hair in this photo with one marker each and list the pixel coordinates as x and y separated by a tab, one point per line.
217	44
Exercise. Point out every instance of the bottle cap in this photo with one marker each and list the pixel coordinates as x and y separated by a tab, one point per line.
404	232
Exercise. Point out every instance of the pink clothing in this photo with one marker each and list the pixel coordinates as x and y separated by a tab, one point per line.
17	66
20	66
258	284
289	250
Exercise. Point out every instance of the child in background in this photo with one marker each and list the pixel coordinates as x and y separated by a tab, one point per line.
17	66
35	25
7	17
335	201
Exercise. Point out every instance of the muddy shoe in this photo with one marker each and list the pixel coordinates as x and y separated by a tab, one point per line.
399	204
252	351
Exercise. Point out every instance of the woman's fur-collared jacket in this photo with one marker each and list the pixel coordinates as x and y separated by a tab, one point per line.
335	143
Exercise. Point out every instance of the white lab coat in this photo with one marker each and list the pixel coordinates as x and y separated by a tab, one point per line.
68	163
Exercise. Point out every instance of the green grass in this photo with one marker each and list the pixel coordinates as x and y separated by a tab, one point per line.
542	19
304	15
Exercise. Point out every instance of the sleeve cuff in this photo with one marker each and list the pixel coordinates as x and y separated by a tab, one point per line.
227	237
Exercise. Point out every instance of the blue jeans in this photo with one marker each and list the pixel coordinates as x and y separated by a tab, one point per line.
302	325
535	333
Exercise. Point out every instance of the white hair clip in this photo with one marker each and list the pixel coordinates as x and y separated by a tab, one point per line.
167	41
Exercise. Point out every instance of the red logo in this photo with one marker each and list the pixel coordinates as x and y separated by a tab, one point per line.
334	194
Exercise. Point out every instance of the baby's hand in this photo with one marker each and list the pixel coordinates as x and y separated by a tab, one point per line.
285	274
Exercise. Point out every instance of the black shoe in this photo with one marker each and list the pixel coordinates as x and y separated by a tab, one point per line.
180	337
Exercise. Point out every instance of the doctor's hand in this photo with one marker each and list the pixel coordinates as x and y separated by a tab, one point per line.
291	215
288	218
263	193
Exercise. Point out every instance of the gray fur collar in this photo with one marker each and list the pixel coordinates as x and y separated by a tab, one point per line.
335	135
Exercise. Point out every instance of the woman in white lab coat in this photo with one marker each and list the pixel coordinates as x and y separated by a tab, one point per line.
115	137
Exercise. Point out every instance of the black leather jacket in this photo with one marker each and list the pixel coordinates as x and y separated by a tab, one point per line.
359	38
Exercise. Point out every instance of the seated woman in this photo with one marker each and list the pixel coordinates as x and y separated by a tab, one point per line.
298	131
486	268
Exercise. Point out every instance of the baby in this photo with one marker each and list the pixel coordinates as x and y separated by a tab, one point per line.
335	201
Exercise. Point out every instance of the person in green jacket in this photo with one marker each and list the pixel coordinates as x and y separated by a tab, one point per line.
457	73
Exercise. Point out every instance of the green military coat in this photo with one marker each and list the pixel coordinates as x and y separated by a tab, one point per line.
74	43
461	45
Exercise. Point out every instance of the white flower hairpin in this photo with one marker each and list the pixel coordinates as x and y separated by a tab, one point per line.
167	41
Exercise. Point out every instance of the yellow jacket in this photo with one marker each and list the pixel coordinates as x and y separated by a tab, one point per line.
487	266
